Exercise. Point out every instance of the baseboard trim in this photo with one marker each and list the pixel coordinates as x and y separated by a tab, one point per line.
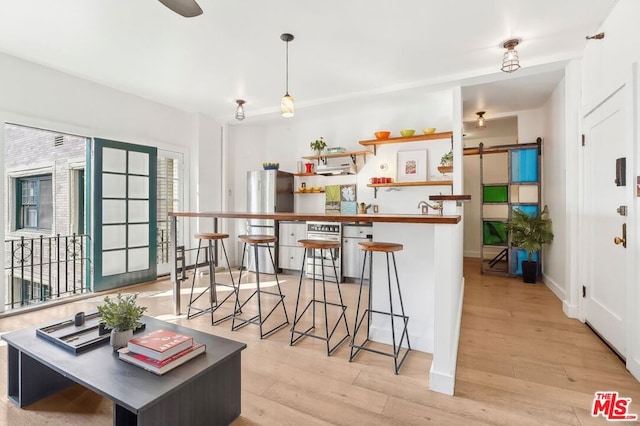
439	382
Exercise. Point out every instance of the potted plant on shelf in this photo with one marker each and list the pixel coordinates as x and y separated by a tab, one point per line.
530	232
446	163
121	315
318	145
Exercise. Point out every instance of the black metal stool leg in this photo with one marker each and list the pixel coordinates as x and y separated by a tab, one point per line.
358	320
329	329
260	319
238	307
396	343
193	281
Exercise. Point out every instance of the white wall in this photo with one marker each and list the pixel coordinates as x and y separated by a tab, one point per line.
38	96
608	64
554	186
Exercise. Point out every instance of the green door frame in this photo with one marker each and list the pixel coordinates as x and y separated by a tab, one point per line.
128	275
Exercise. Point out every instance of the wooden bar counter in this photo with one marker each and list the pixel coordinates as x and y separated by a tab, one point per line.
430	269
367	218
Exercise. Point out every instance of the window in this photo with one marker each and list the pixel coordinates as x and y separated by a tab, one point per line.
34	202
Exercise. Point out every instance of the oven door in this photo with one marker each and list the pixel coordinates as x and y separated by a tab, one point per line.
314	258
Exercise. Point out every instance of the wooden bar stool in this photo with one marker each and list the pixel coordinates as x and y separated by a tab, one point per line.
214	304
388	248
258	241
309	246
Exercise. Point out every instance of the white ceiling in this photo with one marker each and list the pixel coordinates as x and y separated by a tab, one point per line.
342	49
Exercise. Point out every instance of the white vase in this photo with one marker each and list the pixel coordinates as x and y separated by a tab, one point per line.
119	339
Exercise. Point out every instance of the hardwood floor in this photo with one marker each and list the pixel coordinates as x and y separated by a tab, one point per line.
520	362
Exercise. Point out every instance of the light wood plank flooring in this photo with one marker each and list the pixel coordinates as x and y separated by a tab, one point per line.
521	362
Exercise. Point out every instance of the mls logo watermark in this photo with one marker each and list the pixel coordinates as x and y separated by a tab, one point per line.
612	407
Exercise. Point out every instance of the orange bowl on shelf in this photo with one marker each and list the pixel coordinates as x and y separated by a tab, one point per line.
382	135
429	130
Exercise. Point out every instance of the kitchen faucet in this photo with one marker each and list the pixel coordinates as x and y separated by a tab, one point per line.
435	206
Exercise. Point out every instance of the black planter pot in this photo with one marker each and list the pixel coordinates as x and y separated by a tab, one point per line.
529	272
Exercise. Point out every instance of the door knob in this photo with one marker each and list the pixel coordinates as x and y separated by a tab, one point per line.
622	240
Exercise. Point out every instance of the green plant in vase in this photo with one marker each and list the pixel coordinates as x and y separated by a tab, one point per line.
318	145
447	159
530	232
121	315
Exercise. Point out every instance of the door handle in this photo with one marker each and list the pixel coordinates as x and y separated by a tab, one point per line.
623	240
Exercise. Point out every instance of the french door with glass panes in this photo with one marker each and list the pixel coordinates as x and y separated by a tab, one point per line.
170	194
124	213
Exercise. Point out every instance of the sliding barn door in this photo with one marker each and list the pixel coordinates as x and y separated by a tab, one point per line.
124	213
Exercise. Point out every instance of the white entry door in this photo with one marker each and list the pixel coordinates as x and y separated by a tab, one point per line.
604	260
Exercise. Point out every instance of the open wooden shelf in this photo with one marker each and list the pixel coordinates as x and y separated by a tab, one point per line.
309	192
421	183
352	154
375	186
305	174
417	138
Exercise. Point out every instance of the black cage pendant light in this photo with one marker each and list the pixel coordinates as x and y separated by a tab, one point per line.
286	104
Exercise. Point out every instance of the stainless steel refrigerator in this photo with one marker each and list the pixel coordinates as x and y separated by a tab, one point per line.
268	191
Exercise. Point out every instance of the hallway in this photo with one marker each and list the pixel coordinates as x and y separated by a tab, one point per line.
520	351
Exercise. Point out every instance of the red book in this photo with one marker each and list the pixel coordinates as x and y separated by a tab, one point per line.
161	367
160	344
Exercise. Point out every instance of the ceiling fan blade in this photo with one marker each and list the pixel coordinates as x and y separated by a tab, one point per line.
186	8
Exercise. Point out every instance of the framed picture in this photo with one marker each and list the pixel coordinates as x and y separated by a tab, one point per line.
412	166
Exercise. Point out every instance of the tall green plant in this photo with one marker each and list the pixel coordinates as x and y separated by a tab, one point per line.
530	232
121	313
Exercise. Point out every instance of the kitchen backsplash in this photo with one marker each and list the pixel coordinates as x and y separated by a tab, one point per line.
341	199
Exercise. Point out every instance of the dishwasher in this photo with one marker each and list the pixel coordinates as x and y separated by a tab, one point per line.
352	255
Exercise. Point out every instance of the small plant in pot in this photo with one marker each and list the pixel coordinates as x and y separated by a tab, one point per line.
446	163
121	315
318	145
530	232
447	159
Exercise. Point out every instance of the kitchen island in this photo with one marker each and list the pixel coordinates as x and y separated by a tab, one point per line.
430	270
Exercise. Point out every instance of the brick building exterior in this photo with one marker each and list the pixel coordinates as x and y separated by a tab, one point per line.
33	152
44	199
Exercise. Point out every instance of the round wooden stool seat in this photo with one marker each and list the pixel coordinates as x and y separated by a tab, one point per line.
378	246
257	239
319	244
211	236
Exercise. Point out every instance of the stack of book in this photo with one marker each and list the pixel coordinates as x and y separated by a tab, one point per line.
161	350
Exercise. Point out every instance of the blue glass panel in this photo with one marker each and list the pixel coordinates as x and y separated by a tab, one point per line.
530	209
524	165
518	255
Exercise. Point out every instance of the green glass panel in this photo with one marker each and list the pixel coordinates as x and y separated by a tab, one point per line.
494	233
495	194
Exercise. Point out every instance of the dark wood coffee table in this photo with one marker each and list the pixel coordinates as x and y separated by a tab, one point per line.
205	390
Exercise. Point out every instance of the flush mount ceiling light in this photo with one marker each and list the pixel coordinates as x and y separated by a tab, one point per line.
240	110
286	104
510	61
480	124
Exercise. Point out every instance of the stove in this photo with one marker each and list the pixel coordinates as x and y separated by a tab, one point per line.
330	231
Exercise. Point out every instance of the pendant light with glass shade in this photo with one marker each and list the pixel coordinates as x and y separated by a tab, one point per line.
286	104
240	109
480	123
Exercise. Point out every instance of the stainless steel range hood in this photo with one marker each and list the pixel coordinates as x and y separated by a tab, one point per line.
336	169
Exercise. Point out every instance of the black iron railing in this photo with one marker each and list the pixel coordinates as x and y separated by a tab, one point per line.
41	269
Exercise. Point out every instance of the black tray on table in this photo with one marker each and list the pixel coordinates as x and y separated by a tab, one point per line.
74	338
